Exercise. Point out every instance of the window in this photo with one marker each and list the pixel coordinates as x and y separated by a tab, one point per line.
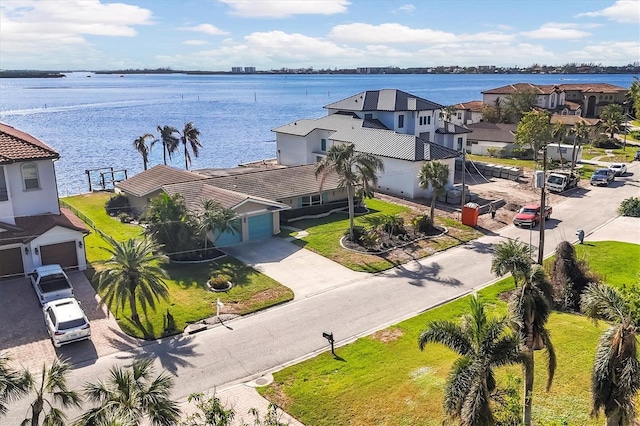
469	142
459	116
428	119
323	144
311	200
401	121
30	176
4	194
459	143
368	116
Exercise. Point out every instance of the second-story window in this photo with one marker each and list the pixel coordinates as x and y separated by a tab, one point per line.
4	193
323	144
459	116
428	119
30	176
400	121
368	116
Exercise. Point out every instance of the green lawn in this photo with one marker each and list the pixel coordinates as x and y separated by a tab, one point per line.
619	155
616	263
516	162
189	300
386	380
325	233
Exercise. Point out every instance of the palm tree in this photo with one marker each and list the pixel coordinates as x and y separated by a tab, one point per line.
169	141
512	257
357	171
436	175
580	133
559	133
140	144
130	396
217	220
529	310
53	382
483	345
13	383
132	275
615	380
170	224
190	138
211	412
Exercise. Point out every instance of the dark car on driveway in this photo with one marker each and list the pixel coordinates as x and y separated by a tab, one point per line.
602	177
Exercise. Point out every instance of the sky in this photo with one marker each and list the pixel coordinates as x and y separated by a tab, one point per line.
272	34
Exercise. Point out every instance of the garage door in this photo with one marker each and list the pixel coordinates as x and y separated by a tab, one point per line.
11	263
228	238
260	226
64	254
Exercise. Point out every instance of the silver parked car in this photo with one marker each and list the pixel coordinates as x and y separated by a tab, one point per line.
65	321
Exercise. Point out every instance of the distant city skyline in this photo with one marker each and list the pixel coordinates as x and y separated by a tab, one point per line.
218	35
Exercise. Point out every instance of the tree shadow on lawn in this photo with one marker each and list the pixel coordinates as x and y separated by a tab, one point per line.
197	275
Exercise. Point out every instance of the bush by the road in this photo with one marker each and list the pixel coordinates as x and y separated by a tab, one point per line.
630	207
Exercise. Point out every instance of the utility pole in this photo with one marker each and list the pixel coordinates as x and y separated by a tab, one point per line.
542	207
464	172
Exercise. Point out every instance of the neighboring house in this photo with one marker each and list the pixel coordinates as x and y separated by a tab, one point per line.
257	196
403	130
34	230
586	99
467	113
485	137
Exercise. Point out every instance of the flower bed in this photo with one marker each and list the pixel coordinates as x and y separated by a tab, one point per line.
388	242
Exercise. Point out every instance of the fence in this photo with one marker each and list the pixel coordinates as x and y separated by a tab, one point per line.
85	219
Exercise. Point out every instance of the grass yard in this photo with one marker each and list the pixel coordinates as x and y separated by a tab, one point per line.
516	162
325	233
616	263
386	380
619	155
189	300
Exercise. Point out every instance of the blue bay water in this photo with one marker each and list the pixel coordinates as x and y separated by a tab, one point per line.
92	122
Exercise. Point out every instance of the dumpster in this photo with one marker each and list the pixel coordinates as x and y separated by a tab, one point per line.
470	213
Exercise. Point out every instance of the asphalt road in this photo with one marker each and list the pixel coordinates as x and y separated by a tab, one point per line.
250	346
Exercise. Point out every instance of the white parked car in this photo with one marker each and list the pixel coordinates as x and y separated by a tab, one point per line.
65	321
619	169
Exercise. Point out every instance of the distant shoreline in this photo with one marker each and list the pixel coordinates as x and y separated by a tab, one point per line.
31	74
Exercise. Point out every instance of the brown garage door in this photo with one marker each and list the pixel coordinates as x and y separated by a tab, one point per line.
11	263
64	254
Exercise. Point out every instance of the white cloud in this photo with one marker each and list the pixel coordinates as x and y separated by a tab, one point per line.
407	8
285	8
625	11
387	33
195	42
556	31
46	28
205	28
616	53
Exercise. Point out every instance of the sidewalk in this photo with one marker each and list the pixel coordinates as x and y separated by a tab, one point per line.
622	228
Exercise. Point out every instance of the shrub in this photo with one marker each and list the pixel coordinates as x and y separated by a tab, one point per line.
219	281
124	217
117	204
569	277
635	134
370	240
358	232
393	224
422	223
603	141
630	207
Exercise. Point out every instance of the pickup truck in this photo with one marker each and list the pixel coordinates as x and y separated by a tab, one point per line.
561	181
529	215
50	283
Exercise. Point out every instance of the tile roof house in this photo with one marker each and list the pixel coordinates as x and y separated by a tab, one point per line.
403	130
258	196
584	99
467	113
34	230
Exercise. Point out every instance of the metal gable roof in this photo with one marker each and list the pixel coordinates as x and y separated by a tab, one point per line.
384	100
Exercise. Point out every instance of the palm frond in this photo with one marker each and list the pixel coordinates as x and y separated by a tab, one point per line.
447	333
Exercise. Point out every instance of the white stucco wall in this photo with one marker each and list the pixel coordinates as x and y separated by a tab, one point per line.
401	177
292	150
30	202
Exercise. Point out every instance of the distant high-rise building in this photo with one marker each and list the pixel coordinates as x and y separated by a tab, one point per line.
236	69
249	69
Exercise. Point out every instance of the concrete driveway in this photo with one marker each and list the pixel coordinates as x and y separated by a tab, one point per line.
24	336
303	271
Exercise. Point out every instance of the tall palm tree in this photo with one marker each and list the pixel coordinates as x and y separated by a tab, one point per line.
140	144
512	257
218	220
169	141
435	175
483	344
129	396
53	382
615	380
529	310
13	383
190	138
132	275
580	133
357	171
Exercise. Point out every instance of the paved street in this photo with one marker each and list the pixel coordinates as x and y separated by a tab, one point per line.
250	346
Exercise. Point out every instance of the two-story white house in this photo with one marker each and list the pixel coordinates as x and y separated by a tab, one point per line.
34	230
401	129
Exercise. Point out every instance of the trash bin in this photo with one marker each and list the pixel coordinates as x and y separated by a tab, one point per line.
580	234
470	213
